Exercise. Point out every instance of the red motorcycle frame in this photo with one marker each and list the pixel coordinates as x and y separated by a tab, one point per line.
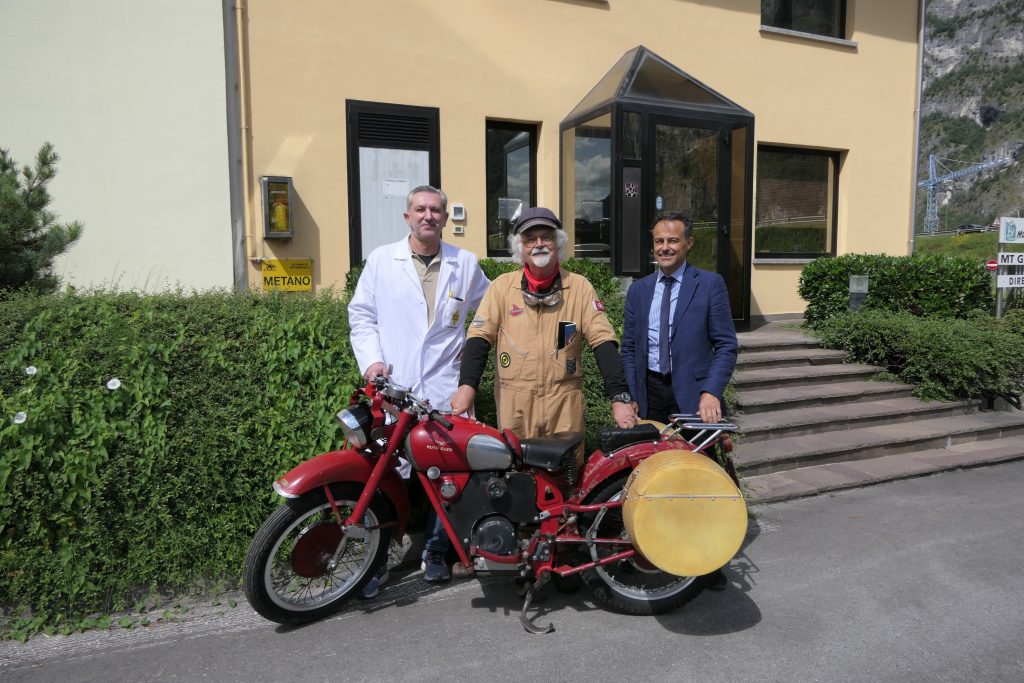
508	506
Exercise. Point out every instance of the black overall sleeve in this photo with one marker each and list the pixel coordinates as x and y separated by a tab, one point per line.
474	360
610	365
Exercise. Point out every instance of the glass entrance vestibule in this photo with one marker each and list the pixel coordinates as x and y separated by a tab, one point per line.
648	139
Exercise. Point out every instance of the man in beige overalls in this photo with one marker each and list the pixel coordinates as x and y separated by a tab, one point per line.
536	319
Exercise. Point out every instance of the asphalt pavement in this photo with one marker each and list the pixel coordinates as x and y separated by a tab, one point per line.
915	580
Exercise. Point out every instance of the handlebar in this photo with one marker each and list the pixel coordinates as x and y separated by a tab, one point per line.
398	394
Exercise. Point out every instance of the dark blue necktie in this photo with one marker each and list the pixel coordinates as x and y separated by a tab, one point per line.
664	330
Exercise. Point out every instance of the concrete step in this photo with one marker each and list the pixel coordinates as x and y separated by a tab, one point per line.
811	481
861	443
751	360
819	419
751	401
801	374
752	341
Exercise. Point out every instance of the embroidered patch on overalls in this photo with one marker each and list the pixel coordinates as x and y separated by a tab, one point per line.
570	366
598	306
514	310
504	359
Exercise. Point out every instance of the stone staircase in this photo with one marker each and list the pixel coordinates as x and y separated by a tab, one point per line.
810	423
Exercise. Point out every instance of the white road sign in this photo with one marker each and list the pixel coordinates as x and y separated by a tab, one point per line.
1011	258
1011	230
1010	281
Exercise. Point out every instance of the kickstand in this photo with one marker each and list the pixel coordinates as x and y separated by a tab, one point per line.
523	619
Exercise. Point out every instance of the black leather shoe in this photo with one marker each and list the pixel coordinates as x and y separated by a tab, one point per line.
717	581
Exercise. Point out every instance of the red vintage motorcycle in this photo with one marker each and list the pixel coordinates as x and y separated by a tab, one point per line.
641	536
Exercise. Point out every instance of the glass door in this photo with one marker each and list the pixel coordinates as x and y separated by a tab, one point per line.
691	171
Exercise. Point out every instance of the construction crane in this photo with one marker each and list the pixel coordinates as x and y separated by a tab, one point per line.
931	219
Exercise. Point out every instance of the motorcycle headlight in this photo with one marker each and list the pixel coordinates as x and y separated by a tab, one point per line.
355	423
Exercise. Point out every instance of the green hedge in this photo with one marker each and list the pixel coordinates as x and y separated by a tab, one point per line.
919	285
109	497
946	359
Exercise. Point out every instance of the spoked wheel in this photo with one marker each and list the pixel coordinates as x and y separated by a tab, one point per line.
301	566
634	585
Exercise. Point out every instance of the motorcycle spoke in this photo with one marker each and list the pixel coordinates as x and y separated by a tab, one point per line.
630	575
342	565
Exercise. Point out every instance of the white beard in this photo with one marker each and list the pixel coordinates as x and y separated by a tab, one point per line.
541	260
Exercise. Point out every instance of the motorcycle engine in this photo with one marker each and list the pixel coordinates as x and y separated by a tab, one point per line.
495	534
491	508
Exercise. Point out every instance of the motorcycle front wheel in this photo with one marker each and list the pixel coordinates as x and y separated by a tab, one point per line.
634	585
301	566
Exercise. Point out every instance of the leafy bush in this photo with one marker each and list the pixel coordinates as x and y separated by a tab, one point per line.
156	482
927	285
946	359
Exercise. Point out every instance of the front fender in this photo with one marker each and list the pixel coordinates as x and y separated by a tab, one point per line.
347	465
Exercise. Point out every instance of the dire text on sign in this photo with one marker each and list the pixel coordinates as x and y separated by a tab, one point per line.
1010	281
287	275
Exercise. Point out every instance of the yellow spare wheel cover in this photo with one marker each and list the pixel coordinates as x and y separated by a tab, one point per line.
683	512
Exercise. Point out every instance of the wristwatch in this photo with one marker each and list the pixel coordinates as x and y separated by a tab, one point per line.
624	397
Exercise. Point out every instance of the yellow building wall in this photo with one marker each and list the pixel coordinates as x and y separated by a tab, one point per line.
533	61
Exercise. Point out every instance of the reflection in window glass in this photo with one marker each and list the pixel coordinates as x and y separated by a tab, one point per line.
796	202
686	180
631	135
511	180
820	17
593	169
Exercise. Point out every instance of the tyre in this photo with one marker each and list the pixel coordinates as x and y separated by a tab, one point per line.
301	566
634	585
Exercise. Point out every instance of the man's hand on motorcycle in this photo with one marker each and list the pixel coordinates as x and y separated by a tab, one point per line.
376	369
710	408
624	415
462	400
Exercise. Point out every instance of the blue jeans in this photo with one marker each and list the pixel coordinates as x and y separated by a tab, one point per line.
437	537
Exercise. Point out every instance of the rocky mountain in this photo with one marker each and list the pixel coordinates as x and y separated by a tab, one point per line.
972	107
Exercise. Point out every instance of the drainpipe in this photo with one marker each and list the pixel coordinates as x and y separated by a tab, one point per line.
251	245
236	175
917	119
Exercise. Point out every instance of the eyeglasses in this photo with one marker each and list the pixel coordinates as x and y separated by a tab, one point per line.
542	237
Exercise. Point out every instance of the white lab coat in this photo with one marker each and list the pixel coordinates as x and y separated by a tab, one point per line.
388	318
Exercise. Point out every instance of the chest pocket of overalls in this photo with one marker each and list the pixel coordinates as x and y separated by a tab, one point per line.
568	360
513	361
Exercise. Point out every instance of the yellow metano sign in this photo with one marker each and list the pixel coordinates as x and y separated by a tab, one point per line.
288	274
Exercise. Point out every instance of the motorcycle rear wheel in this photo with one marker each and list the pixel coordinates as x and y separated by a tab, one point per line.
630	586
301	566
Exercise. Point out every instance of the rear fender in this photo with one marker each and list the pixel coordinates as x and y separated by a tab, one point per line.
347	465
600	468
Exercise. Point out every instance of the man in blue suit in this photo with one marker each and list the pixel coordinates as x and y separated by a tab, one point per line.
678	343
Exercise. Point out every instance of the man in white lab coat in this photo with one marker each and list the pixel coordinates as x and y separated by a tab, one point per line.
408	318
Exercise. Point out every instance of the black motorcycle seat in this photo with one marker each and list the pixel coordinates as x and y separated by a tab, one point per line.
549	451
613	438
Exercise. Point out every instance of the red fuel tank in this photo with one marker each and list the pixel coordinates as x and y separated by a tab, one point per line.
468	447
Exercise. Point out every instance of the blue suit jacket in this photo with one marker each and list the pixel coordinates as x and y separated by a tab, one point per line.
703	344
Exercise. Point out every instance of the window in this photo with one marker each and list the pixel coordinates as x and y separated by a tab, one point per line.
818	17
796	203
511	179
592	187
